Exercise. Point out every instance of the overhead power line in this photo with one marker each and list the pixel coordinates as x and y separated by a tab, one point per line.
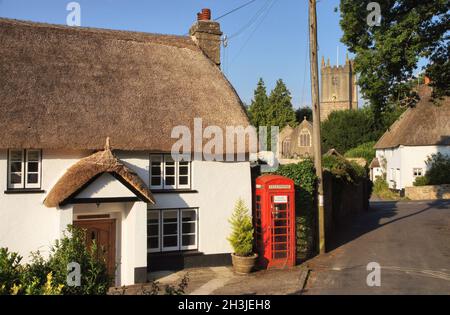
234	10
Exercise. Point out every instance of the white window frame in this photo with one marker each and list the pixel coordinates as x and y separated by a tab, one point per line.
158	249
163	159
179	246
415	169
172	248
157	158
24	169
189	247
168	159
27	172
188	185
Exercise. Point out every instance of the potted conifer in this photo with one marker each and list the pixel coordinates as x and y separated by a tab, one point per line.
241	239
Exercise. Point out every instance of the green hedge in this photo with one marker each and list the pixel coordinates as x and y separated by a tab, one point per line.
365	151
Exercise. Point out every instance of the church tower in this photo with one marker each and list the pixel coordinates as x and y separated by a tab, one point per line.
339	90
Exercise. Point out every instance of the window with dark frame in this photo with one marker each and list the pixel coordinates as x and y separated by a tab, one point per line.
24	169
172	230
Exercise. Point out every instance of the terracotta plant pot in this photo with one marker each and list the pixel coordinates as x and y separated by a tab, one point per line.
243	265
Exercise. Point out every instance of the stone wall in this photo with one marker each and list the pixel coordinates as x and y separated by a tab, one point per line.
428	192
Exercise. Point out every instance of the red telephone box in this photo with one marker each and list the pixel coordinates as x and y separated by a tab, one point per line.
274	221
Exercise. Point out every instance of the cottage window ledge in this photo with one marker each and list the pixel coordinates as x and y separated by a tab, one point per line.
24	191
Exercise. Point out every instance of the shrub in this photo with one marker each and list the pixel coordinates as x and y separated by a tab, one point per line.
439	169
10	270
241	238
49	277
343	169
381	190
365	151
72	248
421	181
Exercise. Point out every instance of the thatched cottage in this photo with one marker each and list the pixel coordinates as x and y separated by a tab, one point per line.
87	118
422	130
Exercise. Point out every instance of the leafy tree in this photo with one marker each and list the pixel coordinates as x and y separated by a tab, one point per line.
388	54
258	109
344	130
303	112
439	169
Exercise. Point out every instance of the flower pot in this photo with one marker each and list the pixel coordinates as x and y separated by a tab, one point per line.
243	265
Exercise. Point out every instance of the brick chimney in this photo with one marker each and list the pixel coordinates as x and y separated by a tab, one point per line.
206	34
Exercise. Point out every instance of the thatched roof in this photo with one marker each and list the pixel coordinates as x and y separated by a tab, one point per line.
425	124
88	169
70	88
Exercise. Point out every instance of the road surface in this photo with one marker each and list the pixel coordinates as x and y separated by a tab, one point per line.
409	240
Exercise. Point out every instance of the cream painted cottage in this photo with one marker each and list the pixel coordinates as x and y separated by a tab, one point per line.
423	130
63	92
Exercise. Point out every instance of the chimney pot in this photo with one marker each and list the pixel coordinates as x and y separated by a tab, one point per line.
205	15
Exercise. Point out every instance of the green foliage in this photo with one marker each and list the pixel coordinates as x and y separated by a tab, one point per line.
281	112
258	110
382	191
365	151
49	277
421	181
438	172
344	130
71	248
241	238
343	169
304	176
274	110
10	270
387	55
303	112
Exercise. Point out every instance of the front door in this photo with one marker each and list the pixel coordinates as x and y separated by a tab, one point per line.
103	232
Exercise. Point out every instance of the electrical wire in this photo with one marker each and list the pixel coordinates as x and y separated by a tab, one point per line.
254	30
234	10
252	20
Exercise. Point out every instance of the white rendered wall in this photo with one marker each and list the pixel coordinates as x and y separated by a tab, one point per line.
219	186
25	223
406	158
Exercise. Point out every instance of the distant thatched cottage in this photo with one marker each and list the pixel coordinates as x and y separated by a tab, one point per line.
63	92
421	131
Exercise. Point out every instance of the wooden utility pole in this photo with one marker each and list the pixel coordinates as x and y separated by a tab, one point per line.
316	119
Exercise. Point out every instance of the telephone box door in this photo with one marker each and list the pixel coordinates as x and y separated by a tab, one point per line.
281	225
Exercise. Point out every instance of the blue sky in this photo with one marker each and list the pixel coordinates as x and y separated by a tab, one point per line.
273	47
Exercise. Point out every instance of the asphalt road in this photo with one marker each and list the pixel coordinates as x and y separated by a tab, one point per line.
409	240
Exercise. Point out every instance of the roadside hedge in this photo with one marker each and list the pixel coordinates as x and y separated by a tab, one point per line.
304	176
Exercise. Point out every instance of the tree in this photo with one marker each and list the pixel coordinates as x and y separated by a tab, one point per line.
259	107
387	55
344	130
303	112
281	112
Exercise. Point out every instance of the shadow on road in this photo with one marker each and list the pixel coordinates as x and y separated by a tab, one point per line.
378	216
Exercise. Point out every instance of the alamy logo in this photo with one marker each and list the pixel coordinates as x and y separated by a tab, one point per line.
73	274
374	17
74	17
374	277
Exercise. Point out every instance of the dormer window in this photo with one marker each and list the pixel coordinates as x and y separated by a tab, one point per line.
304	139
24	169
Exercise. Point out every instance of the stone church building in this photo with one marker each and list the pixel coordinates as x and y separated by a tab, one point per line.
338	91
